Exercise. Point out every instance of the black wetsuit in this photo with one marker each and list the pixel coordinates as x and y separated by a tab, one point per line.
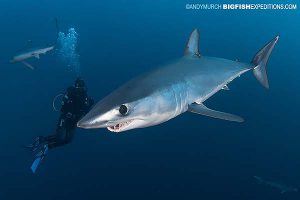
75	104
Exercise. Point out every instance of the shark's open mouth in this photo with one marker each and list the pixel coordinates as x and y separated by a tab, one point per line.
119	127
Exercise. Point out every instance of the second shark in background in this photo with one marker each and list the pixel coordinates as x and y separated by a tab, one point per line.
33	52
283	188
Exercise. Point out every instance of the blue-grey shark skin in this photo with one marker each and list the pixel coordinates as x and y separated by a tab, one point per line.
168	91
32	53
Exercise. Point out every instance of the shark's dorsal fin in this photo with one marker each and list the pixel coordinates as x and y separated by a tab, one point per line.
192	46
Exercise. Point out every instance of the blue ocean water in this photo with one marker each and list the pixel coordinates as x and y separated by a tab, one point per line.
189	157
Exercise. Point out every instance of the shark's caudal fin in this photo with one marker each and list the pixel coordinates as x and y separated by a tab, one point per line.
260	61
192	46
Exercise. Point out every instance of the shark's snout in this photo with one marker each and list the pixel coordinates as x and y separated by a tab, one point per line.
88	123
83	124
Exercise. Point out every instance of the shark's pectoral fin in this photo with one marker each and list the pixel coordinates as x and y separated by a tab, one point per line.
203	110
192	47
28	65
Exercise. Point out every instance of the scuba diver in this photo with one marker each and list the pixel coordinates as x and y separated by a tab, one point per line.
75	104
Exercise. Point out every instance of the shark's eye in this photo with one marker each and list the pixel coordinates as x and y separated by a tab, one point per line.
123	110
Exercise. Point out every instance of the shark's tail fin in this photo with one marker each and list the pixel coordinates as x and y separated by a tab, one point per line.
260	61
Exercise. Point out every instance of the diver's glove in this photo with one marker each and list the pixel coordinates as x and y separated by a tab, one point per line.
36	143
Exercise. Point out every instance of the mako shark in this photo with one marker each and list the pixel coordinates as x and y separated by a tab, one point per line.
283	188
33	53
170	90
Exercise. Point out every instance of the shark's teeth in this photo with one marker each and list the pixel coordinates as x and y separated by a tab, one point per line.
119	127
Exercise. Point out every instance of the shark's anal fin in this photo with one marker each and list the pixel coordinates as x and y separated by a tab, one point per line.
192	46
203	110
28	65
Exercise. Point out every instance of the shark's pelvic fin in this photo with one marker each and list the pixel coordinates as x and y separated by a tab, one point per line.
28	65
225	87
260	61
203	110
192	47
37	56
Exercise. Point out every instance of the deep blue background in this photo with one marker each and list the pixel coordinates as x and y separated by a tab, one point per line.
189	157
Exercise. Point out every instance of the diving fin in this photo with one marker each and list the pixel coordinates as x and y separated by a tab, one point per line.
31	147
203	110
35	164
39	158
37	142
28	65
